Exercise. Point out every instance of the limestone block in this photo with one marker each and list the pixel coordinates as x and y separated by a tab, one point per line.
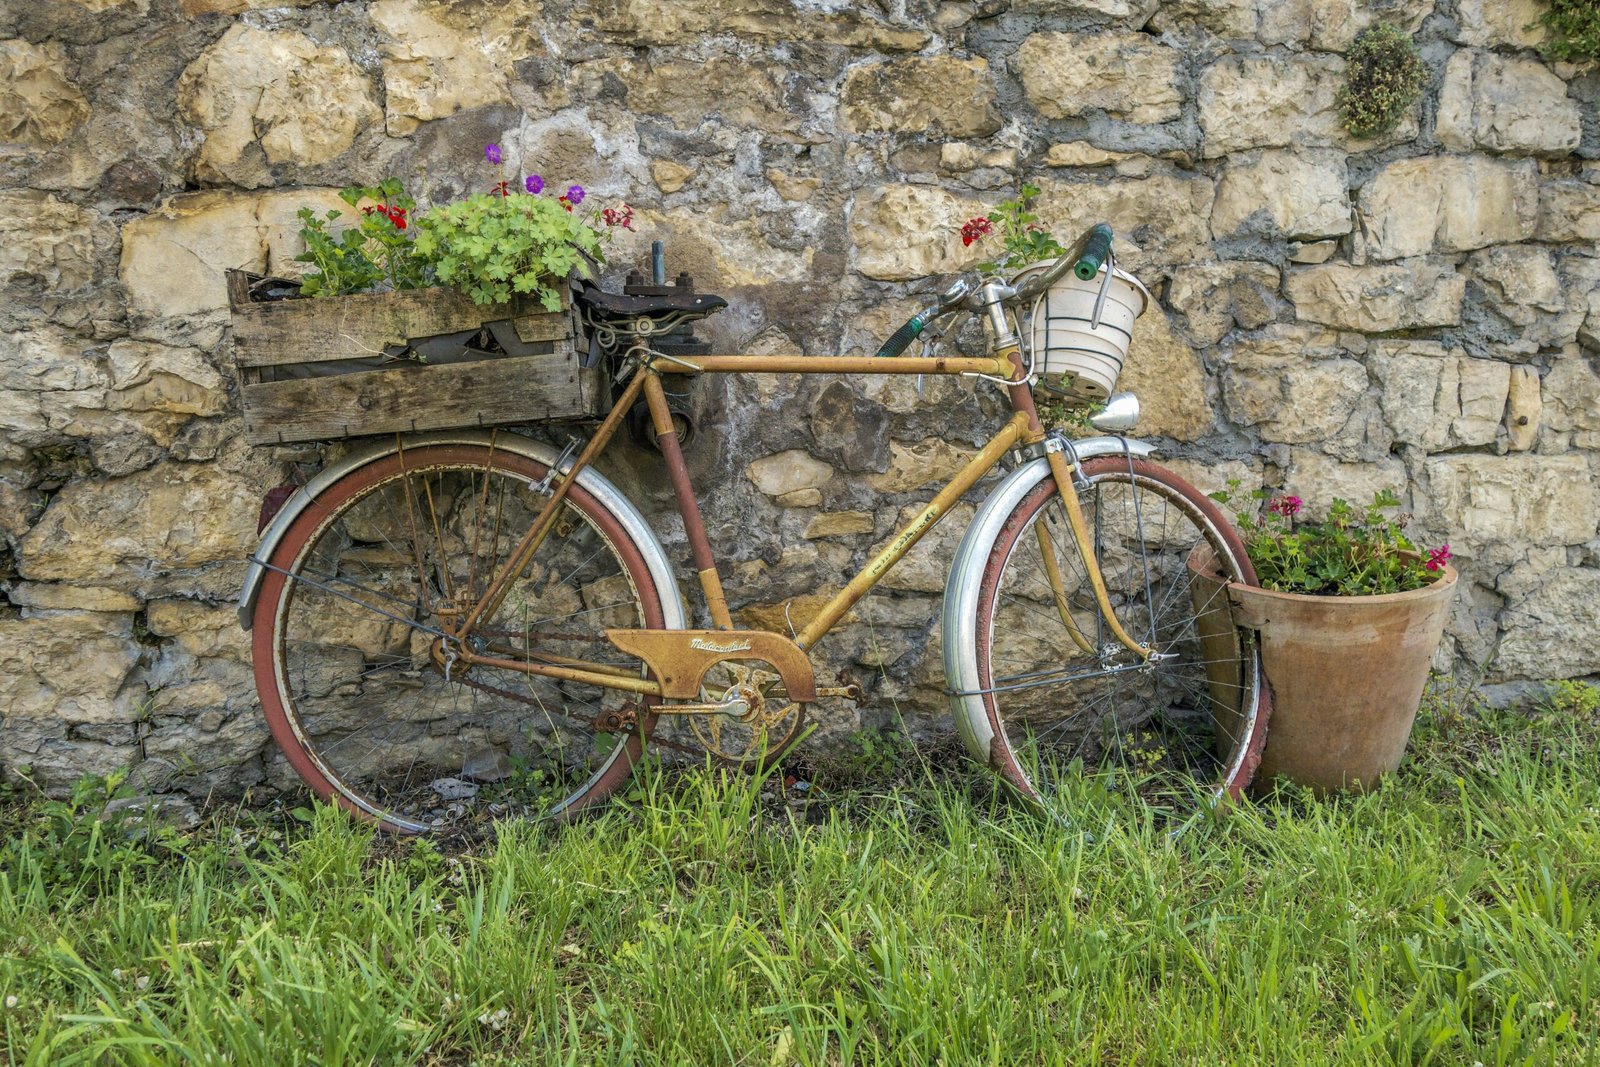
689	92
54	596
791	187
20	506
1213	476
1166	375
1519	283
1214	297
1548	626
903	232
1161	219
45	241
1506	104
716	249
1487	23
669	176
47	380
1293	383
1377	299
301	103
931	462
959	157
1448	204
173	258
1128	76
39	104
1082	154
1569	211
850	430
1137	10
123	531
1319	479
789	472
1571	398
1332	25
153	377
201	631
440	58
935	95
237	7
57	761
1312	251
840	524
1436	397
1235	19
69	665
1523	409
1269	101
1519	498
655	23
1297	194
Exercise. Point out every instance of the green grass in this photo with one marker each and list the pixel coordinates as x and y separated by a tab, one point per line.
1450	917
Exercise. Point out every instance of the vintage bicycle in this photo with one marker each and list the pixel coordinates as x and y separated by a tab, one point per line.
462	623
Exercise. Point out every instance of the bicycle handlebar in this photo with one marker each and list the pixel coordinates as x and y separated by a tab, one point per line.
1089	254
901	339
1096	249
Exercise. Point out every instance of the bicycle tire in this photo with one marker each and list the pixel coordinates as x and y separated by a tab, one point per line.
1051	705
363	711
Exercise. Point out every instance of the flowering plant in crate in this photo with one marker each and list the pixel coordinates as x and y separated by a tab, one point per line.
1353	552
508	240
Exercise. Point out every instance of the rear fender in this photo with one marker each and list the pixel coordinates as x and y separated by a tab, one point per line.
596	484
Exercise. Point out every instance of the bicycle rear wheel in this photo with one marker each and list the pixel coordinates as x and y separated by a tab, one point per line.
356	690
1056	687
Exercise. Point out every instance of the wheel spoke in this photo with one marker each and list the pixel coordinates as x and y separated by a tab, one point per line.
369	718
1050	702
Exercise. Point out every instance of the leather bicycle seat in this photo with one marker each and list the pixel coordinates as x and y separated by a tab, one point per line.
620	306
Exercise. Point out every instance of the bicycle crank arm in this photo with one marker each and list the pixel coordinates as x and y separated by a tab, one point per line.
737	708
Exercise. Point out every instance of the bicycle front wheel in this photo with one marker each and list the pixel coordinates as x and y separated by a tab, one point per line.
367	703
1058	690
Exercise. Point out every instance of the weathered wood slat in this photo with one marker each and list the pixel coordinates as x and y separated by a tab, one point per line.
486	393
364	324
408	396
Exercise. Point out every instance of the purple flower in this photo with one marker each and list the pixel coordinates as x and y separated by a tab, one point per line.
1287	506
534	184
491	152
1438	557
575	194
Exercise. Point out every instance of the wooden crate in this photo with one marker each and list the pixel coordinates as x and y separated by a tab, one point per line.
408	395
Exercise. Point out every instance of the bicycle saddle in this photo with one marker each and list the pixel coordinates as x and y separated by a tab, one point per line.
658	300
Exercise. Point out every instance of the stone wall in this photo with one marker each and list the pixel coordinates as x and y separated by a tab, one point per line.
1421	311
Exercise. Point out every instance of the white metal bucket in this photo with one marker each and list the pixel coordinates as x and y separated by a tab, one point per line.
1072	355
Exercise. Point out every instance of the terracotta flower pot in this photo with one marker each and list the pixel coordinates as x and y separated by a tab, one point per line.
1346	671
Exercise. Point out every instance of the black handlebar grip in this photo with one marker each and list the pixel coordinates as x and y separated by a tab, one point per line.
1096	250
902	338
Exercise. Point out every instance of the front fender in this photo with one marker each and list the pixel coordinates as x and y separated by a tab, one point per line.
597	485
966	575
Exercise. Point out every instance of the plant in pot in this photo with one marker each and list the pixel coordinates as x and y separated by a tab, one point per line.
1350	612
456	315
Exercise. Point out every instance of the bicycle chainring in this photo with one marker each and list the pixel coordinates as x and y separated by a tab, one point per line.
762	733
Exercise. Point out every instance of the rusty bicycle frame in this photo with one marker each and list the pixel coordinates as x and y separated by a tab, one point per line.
679	659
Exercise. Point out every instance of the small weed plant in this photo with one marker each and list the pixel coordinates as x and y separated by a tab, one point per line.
1385	76
1574	29
1350	553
